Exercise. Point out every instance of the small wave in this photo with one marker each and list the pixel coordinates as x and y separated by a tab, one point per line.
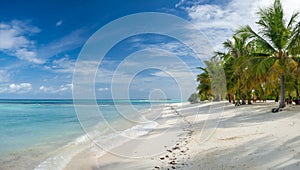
106	142
64	155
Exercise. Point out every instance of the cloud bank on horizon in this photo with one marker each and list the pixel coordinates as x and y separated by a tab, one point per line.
38	58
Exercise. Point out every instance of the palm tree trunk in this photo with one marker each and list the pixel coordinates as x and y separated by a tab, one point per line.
243	99
219	97
296	87
249	98
277	98
282	91
249	101
233	99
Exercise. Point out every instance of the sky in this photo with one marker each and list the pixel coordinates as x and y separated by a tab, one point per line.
40	42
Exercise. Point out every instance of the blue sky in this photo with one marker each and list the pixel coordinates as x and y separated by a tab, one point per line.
41	40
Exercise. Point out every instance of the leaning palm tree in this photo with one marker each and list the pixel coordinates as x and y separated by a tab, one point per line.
278	40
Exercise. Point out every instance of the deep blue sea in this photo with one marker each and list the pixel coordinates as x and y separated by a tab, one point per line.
43	134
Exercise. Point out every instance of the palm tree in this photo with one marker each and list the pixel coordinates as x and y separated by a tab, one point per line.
231	78
217	77
204	86
211	81
297	77
237	79
277	40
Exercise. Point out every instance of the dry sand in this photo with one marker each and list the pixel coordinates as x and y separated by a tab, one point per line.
209	136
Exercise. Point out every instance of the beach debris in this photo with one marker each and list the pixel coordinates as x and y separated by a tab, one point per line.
176	147
179	152
274	110
230	138
172	163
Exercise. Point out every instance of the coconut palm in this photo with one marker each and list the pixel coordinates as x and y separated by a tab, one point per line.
204	86
231	78
217	77
212	81
297	77
236	73
277	40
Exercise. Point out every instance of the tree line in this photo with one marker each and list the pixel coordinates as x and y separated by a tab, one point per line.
258	64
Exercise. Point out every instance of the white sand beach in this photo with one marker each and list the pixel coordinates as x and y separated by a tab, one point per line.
209	136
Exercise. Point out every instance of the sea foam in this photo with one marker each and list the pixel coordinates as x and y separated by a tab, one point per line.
96	142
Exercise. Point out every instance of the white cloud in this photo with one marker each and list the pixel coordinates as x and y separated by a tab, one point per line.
180	73
27	55
218	23
164	56
63	65
174	48
16	88
180	3
58	23
170	68
62	88
15	42
69	42
103	89
21	88
24	27
11	39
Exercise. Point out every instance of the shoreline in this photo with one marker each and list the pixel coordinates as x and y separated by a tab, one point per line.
247	137
169	128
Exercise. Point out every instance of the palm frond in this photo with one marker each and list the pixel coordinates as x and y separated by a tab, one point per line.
255	38
293	20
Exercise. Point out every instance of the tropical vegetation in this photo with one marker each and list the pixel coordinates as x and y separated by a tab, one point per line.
262	64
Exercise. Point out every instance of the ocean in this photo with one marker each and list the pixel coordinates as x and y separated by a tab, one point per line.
46	134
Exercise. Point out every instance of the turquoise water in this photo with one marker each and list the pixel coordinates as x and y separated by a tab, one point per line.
33	131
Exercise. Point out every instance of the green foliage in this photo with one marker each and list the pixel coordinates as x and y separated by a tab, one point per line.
266	61
204	86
